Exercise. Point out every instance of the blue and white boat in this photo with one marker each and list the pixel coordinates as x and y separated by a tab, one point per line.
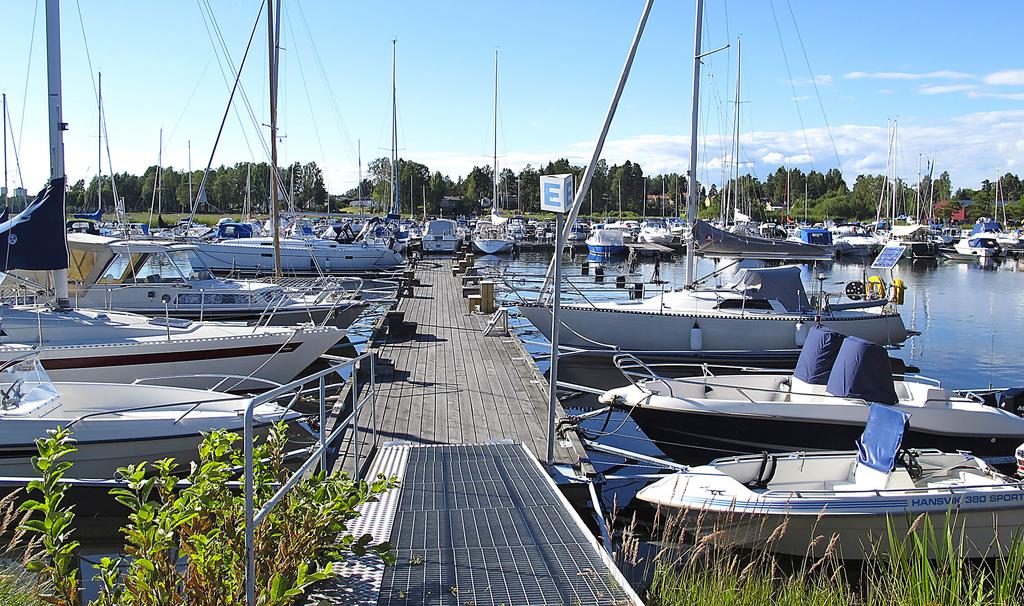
606	242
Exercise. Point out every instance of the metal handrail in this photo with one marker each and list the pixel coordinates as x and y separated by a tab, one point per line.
317	455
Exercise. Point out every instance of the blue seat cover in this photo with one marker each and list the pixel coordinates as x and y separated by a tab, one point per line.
818	355
862	370
882	437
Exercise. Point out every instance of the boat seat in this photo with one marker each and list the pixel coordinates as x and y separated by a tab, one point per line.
864	478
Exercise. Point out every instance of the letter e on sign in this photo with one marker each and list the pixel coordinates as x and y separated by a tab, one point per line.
556	192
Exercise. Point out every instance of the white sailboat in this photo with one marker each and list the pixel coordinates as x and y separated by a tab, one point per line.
490	238
87	344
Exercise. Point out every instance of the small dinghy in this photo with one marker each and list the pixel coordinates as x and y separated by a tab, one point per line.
855	496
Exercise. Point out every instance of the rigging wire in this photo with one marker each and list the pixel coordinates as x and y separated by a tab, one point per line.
814	83
309	100
28	70
14	146
792	84
332	98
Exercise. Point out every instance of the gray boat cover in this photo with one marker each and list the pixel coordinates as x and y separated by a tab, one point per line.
780	283
710	240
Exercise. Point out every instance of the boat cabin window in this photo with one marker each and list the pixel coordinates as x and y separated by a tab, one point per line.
120	268
158	267
81	264
751	304
190	265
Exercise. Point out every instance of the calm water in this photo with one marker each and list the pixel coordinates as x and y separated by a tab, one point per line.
971	318
968	315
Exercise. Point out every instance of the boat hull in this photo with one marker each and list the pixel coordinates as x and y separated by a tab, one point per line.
606	249
862	535
695	437
257	257
632	330
492	247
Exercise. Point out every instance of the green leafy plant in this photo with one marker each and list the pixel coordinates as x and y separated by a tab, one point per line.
51	520
184	541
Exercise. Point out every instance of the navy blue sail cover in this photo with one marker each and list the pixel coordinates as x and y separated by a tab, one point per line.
882	437
34	239
818	355
862	370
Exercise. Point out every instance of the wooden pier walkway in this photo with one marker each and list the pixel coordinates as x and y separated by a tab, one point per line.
477	519
449	384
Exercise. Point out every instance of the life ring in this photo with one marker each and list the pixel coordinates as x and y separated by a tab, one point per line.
876	288
855	290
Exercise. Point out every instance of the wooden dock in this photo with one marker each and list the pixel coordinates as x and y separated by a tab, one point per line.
477	519
449	384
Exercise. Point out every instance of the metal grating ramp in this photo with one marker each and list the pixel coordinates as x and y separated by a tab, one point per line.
485	525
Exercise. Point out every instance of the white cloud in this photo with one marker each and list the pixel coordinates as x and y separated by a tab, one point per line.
943	89
772	158
821	80
1010	77
995	95
935	75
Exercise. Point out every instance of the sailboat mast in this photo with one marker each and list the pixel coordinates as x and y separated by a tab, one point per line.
5	146
691	186
359	187
395	194
158	181
56	125
99	141
494	166
736	135
274	211
247	175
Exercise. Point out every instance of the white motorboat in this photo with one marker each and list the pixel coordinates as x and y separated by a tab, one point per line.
113	425
980	245
606	242
655	231
441	236
762	309
854	498
822	405
916	239
236	252
91	345
854	241
155	278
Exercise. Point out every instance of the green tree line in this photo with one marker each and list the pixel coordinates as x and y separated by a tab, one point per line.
614	189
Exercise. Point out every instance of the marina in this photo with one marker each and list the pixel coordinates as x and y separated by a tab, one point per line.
751	370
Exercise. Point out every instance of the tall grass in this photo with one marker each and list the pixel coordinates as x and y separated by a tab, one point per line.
923	567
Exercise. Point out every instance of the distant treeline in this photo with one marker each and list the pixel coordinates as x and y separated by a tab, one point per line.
613	188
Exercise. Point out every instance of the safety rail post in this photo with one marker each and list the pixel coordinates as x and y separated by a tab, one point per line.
323	424
318	455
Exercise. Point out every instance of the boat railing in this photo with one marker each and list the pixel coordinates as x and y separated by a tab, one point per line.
626	363
319	455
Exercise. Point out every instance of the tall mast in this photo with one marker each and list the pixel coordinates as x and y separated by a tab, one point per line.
494	166
159	177
247	211
691	194
99	142
247	175
359	187
274	211
736	135
56	124
5	147
396	197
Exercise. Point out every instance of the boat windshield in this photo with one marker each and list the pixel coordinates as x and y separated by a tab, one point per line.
658	223
155	267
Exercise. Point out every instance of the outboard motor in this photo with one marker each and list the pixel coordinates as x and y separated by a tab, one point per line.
1012	399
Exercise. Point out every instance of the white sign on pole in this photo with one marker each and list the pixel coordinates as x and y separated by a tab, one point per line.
556	193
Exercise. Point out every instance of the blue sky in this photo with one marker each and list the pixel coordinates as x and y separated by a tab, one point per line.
953	77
